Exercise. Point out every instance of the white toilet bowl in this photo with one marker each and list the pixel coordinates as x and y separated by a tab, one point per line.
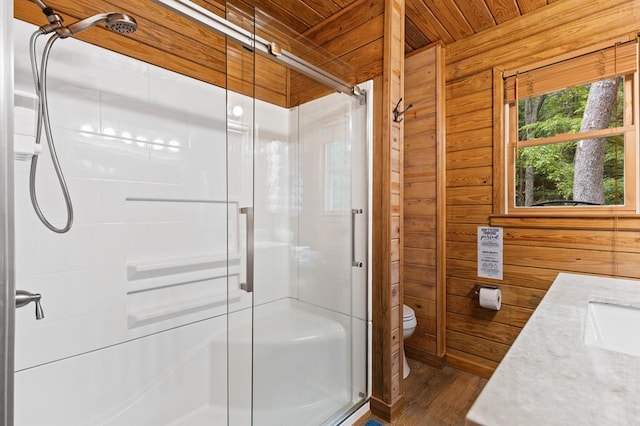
409	324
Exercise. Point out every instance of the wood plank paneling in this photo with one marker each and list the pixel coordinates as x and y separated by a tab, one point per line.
474	176
448	13
387	397
426	21
527	6
414	39
466	196
470	158
421	143
469	121
535	249
477	14
451	21
584	29
472	102
464	361
476	138
475	345
476	82
503	10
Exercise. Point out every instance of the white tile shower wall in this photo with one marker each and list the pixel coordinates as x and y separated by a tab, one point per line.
124	130
151	381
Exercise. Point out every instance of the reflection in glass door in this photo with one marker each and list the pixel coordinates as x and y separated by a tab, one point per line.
310	239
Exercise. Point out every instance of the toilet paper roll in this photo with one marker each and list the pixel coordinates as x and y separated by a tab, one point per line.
491	298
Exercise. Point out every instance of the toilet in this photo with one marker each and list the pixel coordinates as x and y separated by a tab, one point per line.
409	323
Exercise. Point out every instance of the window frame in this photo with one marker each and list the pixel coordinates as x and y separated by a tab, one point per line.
505	150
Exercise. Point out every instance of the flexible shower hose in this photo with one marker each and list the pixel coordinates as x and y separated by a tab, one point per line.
40	81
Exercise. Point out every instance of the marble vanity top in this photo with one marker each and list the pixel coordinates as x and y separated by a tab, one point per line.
551	377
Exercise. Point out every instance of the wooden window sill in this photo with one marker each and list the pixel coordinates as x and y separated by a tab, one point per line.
620	222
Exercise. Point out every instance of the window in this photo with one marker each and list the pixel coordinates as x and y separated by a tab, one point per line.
337	172
571	136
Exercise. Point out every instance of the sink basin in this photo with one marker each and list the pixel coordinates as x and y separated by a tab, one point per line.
613	327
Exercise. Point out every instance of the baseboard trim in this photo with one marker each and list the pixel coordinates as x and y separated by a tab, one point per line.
425	357
386	412
469	366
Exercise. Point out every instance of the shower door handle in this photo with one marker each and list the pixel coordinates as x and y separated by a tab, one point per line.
248	285
354	262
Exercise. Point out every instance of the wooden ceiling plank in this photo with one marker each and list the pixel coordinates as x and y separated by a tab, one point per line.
477	13
503	10
294	8
352	41
527	6
356	14
343	3
414	38
280	14
584	31
428	24
356	38
548	18
407	48
451	18
324	8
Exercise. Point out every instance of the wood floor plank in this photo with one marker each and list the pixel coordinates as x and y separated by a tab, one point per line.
436	397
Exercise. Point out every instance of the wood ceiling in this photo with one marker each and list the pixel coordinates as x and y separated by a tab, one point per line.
427	21
350	30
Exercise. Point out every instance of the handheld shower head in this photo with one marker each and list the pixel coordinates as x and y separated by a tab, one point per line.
121	23
117	22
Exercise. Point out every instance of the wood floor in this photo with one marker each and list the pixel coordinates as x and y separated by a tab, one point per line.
435	397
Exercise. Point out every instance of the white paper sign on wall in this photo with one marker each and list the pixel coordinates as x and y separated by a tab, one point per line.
490	252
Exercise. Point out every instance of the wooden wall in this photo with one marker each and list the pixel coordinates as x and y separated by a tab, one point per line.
387	394
535	250
423	276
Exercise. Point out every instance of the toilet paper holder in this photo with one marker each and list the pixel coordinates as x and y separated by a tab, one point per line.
477	288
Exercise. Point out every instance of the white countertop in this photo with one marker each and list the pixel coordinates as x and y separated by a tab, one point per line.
550	377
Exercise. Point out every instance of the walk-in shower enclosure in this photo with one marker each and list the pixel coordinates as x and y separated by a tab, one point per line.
216	270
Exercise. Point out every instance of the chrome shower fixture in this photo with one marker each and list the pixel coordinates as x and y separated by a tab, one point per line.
55	20
116	22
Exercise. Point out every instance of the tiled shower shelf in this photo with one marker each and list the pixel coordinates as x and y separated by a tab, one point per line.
172	266
159	312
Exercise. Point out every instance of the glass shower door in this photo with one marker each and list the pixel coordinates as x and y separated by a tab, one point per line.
297	189
310	260
240	104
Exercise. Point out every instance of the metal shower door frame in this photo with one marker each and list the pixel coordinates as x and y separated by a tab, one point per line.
7	284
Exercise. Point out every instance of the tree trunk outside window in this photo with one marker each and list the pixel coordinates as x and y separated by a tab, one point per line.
589	157
528	192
